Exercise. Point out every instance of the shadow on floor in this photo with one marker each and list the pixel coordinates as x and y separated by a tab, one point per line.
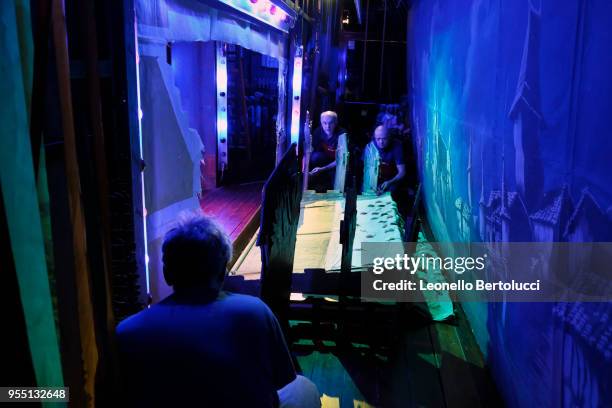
407	363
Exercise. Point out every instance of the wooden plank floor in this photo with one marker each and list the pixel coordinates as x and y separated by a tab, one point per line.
236	208
233	206
426	365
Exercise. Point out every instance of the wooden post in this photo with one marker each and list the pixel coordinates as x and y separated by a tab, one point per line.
41	38
382	50
245	113
89	347
307	150
347	237
107	354
280	213
315	66
365	47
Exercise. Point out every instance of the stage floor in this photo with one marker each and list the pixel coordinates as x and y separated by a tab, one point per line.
424	364
236	208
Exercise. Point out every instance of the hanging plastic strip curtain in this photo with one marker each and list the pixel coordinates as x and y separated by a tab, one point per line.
20	195
190	20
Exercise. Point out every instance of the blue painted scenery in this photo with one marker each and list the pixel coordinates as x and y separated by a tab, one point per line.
511	111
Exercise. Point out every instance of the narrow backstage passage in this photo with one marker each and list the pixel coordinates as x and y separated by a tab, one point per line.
308	203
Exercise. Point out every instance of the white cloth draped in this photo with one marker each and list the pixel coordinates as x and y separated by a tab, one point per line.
191	20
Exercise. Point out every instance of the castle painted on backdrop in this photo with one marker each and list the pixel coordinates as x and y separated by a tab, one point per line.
527	213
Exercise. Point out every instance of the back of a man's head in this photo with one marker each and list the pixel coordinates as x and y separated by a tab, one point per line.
195	254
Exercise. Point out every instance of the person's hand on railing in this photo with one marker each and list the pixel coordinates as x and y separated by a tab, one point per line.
384	186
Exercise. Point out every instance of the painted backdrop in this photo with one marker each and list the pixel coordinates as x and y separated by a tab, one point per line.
511	110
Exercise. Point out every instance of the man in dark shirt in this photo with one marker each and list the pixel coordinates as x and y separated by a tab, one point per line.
201	346
323	156
392	167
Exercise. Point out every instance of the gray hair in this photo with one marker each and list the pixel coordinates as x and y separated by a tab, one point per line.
330	114
195	252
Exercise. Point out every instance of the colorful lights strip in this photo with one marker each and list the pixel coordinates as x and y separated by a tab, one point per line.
296	95
142	179
221	74
264	11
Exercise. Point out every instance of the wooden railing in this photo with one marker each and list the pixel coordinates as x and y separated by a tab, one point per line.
280	213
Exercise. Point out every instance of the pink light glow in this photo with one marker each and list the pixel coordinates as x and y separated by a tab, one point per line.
276	15
263	10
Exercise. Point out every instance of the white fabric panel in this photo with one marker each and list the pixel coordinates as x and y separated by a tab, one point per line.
281	117
191	20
